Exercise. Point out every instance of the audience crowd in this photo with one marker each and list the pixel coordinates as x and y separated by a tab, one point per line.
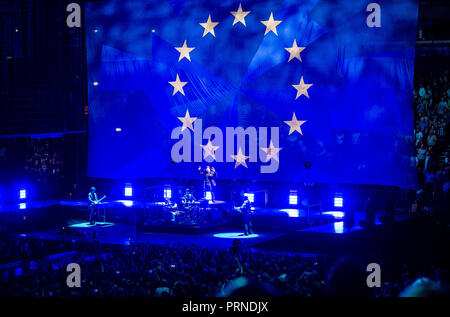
43	161
432	115
147	270
166	271
14	249
36	161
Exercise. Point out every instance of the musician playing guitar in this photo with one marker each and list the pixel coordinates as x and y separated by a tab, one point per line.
246	211
93	206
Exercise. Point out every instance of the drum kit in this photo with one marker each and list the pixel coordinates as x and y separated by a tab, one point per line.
190	211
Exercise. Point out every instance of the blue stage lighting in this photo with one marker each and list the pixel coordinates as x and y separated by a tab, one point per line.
293	198
293	213
208	196
338	227
167	193
2	195
338	201
23	194
235	235
127	203
128	190
251	197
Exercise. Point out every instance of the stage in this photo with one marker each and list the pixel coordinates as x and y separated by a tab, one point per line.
277	230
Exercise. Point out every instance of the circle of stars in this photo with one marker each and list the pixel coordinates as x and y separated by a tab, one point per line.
301	88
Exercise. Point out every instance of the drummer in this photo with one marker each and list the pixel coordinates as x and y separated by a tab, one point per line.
188	199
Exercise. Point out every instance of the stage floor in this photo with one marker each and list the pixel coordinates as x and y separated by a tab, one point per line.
139	204
328	228
121	234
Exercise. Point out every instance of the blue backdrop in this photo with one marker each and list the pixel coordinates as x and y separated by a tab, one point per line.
359	114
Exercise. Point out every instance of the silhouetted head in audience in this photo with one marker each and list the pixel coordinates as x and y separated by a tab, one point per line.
244	287
425	287
347	278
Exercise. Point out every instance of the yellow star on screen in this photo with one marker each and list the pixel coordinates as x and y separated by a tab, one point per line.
271	152
240	159
209	26
294	125
302	88
294	51
178	85
271	24
184	51
187	121
209	150
239	15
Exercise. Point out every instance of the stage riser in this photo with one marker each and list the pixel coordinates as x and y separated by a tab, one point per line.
36	219
376	241
31	219
180	229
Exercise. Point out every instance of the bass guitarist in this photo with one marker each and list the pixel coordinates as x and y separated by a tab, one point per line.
94	202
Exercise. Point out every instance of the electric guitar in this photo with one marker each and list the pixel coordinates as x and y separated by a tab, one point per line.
244	209
98	201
